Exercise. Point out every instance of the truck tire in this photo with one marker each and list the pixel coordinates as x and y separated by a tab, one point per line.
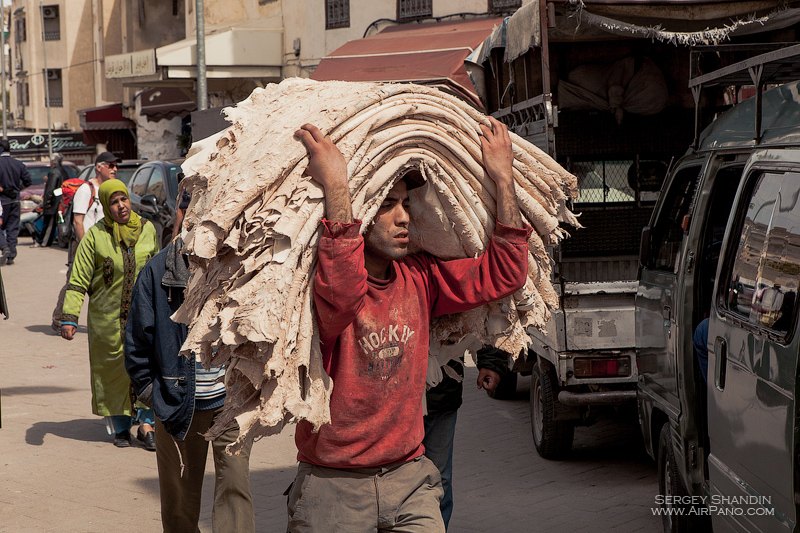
552	438
507	388
670	484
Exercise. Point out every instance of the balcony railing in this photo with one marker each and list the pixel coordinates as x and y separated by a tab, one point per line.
55	101
52	35
504	5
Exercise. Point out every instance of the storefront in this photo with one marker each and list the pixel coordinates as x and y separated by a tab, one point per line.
34	146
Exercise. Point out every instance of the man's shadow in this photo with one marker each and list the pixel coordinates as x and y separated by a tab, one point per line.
82	429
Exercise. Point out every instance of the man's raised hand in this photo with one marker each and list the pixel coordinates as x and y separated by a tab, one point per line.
498	160
326	163
496	149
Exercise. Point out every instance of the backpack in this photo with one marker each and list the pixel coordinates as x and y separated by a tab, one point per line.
68	189
64	229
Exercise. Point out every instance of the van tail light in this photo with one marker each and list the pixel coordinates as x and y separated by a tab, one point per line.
601	367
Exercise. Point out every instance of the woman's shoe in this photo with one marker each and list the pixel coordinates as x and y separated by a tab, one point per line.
148	439
122	439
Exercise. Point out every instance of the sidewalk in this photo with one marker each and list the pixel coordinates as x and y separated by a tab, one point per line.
60	472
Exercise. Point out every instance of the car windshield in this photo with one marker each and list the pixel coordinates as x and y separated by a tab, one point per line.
38	175
124	174
602	182
72	171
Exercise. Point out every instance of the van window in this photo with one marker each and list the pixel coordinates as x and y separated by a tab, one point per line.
765	269
666	233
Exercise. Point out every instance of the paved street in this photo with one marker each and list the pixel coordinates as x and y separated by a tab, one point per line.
60	472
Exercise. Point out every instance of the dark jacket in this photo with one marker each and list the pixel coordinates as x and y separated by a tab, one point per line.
55	178
446	396
14	177
161	377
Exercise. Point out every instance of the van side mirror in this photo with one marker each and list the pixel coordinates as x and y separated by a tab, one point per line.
644	247
149	204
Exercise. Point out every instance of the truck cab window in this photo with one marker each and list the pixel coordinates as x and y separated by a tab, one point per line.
602	182
763	279
667	233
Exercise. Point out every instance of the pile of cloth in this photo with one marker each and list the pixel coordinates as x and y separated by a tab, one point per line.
254	223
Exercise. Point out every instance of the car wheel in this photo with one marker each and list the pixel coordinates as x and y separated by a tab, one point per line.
552	438
507	388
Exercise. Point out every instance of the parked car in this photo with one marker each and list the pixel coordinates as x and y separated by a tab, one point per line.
125	170
153	191
31	197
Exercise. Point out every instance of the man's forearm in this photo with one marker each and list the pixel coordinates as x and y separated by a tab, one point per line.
507	206
77	225
338	206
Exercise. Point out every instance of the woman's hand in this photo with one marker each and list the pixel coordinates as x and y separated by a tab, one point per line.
68	332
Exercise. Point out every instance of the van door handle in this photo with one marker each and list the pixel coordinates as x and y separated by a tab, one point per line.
721	364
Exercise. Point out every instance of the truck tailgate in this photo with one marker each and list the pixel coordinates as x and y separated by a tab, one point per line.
599	316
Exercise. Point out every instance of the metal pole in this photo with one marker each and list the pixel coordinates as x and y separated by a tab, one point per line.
202	83
3	73
46	86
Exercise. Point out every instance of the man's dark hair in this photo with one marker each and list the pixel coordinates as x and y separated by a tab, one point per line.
5	145
413	179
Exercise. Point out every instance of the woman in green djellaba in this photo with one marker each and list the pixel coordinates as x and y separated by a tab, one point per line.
107	261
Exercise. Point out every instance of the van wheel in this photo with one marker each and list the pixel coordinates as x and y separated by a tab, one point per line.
670	485
507	388
552	438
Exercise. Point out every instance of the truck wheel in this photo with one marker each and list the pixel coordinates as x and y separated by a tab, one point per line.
552	438
670	485
507	388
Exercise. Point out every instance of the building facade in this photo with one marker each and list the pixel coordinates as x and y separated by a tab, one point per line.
56	60
125	72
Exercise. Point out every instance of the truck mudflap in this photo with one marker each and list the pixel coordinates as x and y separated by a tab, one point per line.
581	399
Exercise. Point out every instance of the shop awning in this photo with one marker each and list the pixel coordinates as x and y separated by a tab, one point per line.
107	117
166	102
247	51
429	53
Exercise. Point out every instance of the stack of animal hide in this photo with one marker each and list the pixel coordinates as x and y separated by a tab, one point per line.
254	224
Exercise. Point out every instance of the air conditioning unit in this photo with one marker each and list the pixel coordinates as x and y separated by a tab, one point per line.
50	12
53	74
60	126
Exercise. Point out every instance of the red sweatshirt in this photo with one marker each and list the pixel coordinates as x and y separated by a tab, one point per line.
374	337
